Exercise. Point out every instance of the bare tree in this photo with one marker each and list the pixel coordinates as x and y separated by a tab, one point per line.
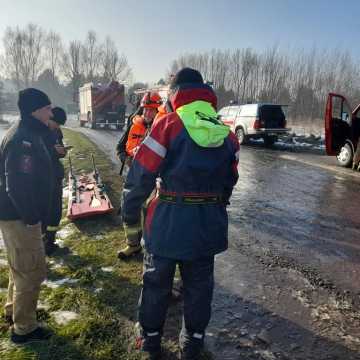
32	60
113	65
72	66
301	80
13	46
54	53
24	53
1	99
91	52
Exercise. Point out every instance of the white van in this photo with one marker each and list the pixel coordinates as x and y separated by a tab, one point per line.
265	121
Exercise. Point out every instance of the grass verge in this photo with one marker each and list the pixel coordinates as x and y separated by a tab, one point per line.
91	283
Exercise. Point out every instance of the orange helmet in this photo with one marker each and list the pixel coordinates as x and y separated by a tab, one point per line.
151	100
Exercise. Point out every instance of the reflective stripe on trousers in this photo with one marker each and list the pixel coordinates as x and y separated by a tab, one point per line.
198	285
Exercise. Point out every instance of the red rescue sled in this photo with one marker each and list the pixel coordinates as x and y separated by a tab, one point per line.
87	196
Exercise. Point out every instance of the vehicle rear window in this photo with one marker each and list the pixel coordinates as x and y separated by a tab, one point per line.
272	112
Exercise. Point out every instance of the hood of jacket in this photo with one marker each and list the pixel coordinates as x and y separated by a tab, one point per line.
195	104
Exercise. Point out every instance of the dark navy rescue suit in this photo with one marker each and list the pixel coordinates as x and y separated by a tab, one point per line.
186	223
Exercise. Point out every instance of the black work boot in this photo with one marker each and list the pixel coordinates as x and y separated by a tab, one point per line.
51	248
129	251
154	354
39	334
148	342
190	355
191	345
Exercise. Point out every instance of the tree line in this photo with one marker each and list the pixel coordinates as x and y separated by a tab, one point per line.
300	79
35	57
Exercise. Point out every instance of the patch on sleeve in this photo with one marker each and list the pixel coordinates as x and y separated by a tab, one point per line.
26	144
26	164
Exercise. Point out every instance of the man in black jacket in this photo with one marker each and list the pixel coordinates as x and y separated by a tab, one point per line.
26	186
57	152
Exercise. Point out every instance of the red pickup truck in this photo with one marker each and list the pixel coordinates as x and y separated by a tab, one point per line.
342	129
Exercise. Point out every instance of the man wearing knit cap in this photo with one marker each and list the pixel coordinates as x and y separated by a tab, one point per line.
57	152
196	157
26	186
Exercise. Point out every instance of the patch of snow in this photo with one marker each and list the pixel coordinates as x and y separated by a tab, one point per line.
2	245
266	354
64	317
43	306
65	193
3	262
60	242
64	232
11	117
56	263
57	283
108	269
56	266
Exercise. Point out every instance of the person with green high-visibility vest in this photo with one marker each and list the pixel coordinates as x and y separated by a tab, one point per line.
196	156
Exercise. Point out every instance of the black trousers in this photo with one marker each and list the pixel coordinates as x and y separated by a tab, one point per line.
57	203
55	215
158	276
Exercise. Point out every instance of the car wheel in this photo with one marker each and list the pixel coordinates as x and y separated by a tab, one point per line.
345	156
240	135
270	140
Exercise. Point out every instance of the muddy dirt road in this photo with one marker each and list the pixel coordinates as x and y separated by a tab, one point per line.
288	287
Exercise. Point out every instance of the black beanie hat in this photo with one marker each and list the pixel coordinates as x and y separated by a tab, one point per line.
31	100
59	115
186	76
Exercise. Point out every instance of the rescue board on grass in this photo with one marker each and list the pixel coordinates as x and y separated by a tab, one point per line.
87	196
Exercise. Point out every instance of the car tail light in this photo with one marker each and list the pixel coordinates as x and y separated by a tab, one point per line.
257	124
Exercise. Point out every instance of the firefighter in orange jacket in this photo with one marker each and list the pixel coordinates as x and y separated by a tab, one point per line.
142	123
161	112
138	131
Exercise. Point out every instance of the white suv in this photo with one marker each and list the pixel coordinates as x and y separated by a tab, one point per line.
265	121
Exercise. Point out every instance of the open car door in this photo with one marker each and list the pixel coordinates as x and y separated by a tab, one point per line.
338	123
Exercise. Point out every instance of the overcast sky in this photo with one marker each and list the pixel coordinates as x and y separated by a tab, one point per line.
152	33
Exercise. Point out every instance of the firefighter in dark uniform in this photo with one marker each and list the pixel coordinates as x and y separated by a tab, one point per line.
26	187
196	157
57	151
